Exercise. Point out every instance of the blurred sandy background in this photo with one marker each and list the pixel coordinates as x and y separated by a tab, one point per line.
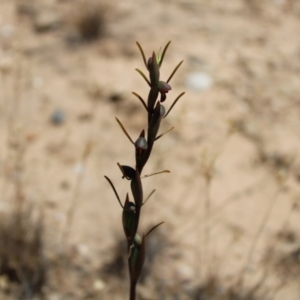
231	201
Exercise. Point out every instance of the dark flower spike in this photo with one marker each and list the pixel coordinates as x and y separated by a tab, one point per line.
143	54
164	133
177	67
144	76
124	130
173	104
156	173
143	145
163	54
141	99
128	172
113	187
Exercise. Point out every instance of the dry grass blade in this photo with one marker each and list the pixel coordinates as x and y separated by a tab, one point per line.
175	70
115	191
22	258
141	99
153	228
124	130
90	20
148	197
163	54
156	173
144	76
143	54
173	104
164	133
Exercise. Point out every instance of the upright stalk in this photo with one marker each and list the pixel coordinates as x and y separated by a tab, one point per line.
143	145
132	291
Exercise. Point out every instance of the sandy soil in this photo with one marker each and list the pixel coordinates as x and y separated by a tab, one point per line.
233	155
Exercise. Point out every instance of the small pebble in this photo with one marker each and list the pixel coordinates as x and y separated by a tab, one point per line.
65	185
38	82
58	117
3	282
25	8
6	65
116	97
83	250
99	285
85	117
79	168
7	30
55	297
199	81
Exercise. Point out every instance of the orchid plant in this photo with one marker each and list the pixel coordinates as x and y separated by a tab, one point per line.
156	112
